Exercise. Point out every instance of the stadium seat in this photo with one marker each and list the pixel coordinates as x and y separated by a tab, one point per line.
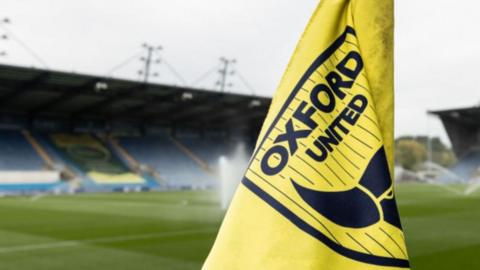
173	165
208	149
468	166
16	153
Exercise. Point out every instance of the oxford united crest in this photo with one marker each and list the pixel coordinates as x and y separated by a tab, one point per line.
322	165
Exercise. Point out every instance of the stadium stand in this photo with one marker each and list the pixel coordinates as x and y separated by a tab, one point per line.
91	133
172	164
21	166
463	130
207	149
96	163
17	154
469	165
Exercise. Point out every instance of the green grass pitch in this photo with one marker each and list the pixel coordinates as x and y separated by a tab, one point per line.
175	230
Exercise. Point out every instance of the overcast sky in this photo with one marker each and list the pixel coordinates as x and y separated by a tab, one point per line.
437	45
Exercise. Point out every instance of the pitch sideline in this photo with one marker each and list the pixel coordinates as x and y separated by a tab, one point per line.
74	243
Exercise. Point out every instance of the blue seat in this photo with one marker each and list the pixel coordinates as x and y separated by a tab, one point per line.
173	165
208	149
16	153
468	165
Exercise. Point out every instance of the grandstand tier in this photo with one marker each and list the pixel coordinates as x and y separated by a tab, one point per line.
468	167
60	131
175	167
17	153
22	168
463	129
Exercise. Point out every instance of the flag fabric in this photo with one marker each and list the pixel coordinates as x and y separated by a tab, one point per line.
318	192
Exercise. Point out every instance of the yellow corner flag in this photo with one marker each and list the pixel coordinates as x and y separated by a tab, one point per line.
318	191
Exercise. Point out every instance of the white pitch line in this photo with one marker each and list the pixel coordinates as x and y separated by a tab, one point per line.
37	197
472	188
448	188
74	243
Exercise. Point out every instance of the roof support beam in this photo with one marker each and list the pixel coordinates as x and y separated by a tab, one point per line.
24	87
180	108
156	101
259	114
109	100
66	96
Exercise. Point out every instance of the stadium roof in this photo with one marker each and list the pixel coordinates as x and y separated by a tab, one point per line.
463	128
36	92
468	116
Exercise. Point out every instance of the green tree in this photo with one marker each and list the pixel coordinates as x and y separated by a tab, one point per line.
409	153
441	154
